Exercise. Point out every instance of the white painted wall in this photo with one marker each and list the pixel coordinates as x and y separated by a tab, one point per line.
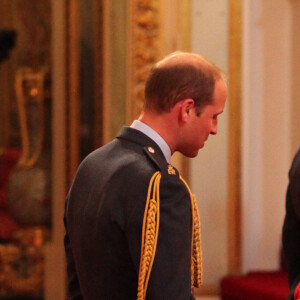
266	129
270	130
295	73
209	171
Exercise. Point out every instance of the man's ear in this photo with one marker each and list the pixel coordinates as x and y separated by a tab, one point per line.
186	109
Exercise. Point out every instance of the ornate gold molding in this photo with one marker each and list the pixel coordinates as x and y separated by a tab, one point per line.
72	89
144	49
98	72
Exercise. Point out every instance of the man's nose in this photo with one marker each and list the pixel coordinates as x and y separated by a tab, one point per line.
213	132
214	128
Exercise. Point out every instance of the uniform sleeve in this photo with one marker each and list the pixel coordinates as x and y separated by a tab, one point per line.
170	277
294	187
291	227
73	282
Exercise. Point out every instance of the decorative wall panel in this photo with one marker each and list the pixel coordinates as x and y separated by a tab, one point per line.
144	49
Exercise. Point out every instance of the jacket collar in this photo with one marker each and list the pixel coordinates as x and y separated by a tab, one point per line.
151	149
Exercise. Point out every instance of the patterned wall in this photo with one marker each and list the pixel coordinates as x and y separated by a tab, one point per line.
31	21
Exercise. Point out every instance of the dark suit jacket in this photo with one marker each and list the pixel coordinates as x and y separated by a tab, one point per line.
103	220
291	227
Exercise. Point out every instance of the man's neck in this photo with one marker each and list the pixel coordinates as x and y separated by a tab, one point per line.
162	124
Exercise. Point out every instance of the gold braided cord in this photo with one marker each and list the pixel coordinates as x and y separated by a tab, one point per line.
196	251
149	235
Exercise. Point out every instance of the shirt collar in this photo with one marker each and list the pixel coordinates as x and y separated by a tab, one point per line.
151	133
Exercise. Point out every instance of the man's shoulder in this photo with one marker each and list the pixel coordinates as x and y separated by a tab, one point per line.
126	160
129	153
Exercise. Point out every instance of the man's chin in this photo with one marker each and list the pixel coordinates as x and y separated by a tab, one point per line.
192	154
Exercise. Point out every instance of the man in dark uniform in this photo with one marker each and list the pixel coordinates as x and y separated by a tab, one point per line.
132	224
291	227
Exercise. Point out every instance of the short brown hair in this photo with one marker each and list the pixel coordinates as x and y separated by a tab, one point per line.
168	84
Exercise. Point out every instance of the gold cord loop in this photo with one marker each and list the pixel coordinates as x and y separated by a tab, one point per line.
149	235
196	251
